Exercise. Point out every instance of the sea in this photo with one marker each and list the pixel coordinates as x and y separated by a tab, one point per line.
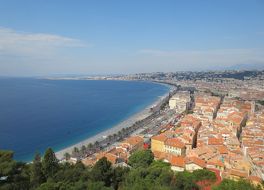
39	113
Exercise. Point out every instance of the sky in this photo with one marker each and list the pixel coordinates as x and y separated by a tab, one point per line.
85	37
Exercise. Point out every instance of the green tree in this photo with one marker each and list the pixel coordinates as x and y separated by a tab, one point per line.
67	156
204	174
49	185
71	173
119	134
97	186
83	150
36	174
102	171
184	181
160	164
228	184
115	136
142	158
7	164
50	163
119	174
204	177
135	179
165	178
14	175
75	152
89	146
96	144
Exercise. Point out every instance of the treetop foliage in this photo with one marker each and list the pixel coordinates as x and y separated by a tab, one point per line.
145	174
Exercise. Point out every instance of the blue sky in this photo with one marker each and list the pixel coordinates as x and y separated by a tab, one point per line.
49	37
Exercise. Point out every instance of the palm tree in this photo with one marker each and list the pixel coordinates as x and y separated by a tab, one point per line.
107	139
127	130
119	134
110	137
83	150
96	144
89	146
67	156
124	131
75	152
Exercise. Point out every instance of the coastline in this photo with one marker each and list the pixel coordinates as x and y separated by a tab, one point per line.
123	124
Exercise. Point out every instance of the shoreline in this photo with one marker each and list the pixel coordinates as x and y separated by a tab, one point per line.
142	114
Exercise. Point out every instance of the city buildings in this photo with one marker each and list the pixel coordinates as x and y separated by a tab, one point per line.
180	101
223	132
225	135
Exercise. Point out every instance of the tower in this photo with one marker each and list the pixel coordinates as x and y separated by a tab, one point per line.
253	106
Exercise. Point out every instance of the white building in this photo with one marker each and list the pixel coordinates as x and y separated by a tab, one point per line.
180	101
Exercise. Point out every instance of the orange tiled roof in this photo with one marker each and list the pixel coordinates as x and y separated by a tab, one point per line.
186	139
100	155
196	161
222	149
174	142
88	161
160	155
134	140
255	178
111	158
160	137
238	173
216	163
189	119
120	152
177	161
215	141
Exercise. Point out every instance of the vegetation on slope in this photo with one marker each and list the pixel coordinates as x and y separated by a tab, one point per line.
145	174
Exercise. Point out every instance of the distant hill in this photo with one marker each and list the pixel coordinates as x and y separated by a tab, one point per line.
252	66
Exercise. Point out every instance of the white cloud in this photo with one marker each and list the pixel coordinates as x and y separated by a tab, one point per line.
33	44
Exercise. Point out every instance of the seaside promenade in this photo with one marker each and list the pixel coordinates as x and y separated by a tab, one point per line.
135	123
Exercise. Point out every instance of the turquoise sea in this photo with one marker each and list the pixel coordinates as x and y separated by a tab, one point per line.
40	113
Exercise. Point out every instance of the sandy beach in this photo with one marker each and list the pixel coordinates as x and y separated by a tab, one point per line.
124	124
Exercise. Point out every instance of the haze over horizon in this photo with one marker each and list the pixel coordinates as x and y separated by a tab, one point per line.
114	37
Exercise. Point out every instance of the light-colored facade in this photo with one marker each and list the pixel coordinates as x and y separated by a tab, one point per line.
192	166
158	143
174	150
180	101
194	163
175	147
177	168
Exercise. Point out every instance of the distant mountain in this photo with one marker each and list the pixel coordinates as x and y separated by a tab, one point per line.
252	66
